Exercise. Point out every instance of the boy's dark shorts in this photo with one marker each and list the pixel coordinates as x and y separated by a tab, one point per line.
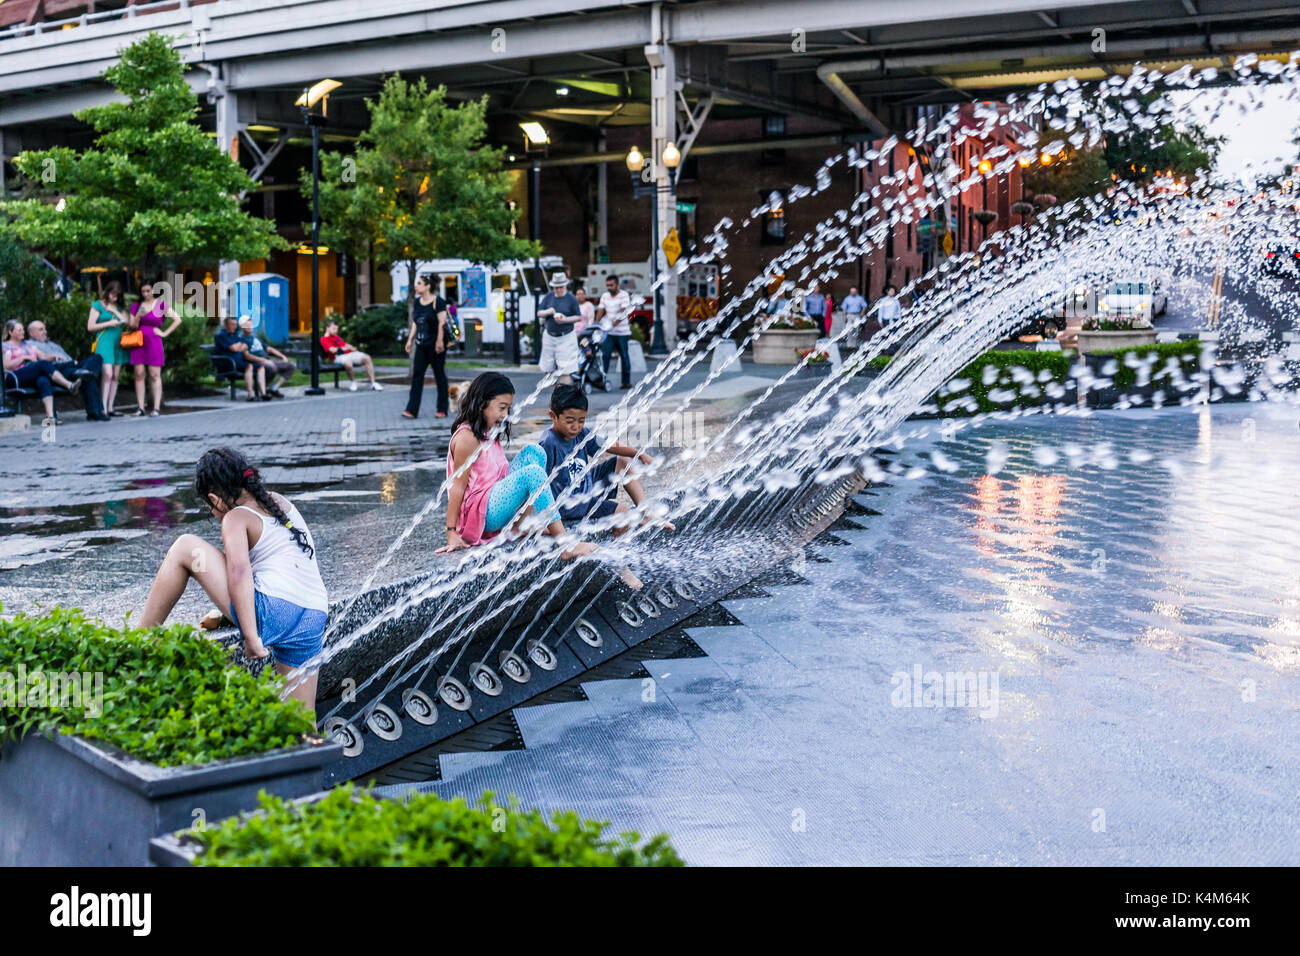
602	476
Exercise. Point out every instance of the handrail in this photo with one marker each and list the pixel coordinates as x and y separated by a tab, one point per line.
119	13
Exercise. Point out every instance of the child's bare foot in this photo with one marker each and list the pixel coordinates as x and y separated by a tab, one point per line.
658	523
578	550
630	579
213	620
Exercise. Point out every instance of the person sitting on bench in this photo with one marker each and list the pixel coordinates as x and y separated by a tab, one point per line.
336	350
68	367
230	345
271	358
32	369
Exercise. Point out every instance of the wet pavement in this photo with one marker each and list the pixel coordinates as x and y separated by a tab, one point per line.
88	509
1089	656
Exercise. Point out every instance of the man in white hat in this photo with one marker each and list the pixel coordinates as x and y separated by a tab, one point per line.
277	365
559	312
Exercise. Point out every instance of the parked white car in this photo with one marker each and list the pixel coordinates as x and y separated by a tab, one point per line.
1132	297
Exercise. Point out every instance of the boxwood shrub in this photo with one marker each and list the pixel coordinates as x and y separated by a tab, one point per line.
970	381
1187	353
354	828
170	696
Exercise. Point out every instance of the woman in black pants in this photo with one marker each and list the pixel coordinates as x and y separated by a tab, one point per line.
426	343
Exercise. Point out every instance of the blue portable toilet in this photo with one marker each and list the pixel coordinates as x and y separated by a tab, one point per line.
265	297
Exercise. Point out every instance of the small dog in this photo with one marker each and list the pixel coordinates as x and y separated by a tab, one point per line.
456	390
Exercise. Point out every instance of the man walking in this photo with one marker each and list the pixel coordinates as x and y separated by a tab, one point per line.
561	312
888	308
853	305
616	305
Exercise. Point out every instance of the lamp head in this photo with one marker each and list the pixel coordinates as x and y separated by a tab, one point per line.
635	160
534	134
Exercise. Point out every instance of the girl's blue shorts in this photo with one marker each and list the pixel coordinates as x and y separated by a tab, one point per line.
292	634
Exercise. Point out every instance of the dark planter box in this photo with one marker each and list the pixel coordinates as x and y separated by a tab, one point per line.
67	802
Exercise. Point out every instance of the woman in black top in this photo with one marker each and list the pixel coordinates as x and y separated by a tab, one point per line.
426	343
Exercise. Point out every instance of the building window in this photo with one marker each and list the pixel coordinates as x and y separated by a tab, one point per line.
774	220
773	127
909	237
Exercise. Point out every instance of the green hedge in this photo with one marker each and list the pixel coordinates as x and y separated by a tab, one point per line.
377	331
1058	364
347	828
1188	354
170	695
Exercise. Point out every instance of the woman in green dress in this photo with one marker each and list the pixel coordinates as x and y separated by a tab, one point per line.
108	317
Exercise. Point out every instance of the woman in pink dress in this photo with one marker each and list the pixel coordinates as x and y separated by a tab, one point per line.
147	315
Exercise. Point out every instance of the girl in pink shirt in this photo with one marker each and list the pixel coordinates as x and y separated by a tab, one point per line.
486	495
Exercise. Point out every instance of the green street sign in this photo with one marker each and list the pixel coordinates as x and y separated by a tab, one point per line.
685	206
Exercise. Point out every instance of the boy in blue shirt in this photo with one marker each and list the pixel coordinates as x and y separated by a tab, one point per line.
597	493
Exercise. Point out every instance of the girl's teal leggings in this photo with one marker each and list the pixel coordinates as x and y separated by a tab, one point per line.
527	474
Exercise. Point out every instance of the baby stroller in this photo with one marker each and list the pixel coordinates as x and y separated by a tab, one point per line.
591	370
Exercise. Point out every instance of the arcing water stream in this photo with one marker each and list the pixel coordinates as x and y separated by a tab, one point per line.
725	492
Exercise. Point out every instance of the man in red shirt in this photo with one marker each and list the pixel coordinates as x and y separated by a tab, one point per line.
336	350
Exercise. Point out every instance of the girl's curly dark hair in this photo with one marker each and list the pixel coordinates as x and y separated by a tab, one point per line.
225	473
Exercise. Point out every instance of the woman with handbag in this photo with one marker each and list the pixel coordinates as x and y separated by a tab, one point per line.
107	317
426	343
144	339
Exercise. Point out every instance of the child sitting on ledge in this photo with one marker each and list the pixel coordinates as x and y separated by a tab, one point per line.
569	446
490	494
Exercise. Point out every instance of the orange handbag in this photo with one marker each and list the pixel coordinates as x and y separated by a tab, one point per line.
132	340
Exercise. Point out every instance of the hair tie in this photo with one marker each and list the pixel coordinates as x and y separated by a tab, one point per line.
248	473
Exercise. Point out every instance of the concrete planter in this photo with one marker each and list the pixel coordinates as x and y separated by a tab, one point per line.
67	802
782	346
1101	341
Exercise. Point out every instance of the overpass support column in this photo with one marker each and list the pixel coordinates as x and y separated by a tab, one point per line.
228	130
663	130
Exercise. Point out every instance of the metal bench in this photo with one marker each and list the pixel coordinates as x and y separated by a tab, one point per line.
14	395
302	358
224	369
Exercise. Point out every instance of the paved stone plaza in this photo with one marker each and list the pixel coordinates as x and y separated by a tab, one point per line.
1128	577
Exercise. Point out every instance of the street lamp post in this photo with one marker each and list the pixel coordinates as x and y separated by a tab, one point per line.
535	142
635	164
310	97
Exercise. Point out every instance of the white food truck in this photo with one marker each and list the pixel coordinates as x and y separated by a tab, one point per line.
479	290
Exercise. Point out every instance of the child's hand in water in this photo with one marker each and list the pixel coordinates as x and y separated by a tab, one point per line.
254	649
454	543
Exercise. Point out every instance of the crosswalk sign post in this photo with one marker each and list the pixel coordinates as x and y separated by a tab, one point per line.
672	247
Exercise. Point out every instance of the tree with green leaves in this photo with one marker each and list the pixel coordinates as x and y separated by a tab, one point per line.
1140	153
421	185
153	190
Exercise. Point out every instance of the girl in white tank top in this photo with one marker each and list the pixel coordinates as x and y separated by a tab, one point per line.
266	578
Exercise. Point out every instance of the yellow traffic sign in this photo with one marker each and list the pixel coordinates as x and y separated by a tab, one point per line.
672	247
947	243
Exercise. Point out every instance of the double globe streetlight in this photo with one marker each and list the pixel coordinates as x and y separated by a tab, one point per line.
636	167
